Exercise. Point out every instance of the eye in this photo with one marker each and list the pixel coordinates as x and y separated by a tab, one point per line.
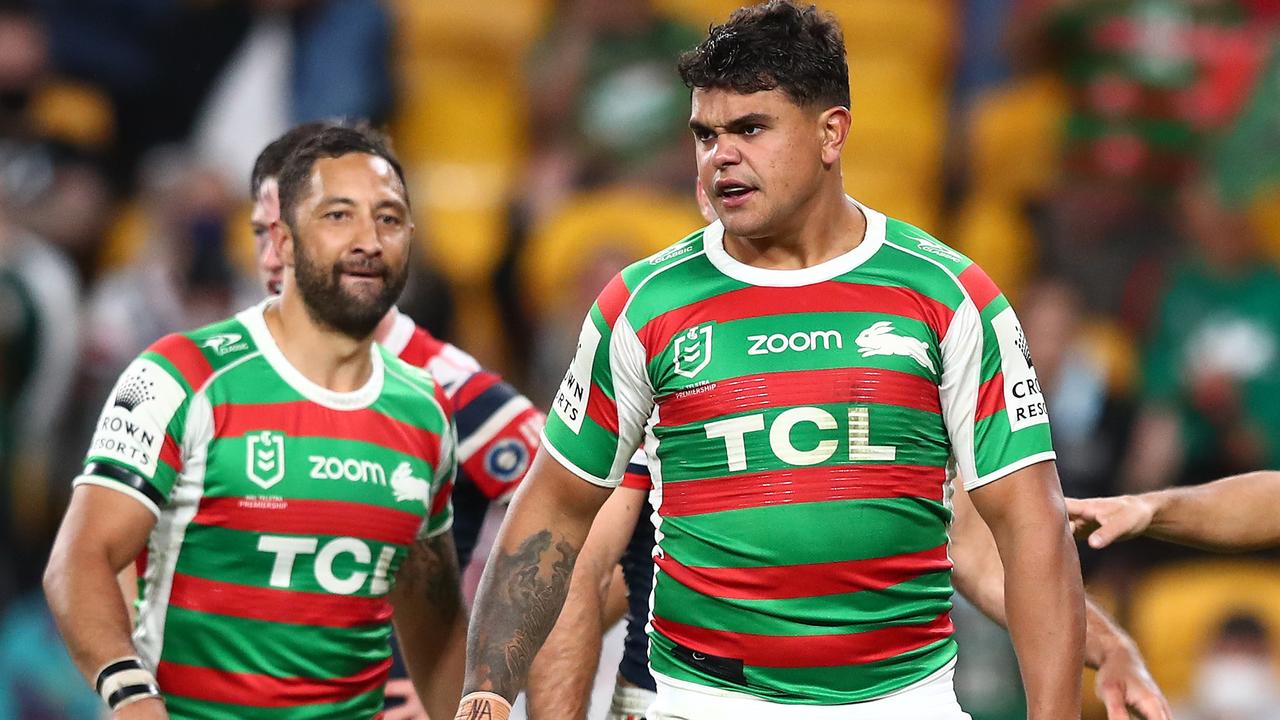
753	130
337	215
703	134
389	219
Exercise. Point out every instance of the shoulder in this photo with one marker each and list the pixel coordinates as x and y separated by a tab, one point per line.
413	380
195	356
927	264
650	279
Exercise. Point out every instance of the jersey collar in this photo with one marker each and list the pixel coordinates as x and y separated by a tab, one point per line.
713	241
357	399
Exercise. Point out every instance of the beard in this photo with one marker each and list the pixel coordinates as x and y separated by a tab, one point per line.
353	313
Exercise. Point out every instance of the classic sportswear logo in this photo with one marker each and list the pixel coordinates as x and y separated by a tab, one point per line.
880	340
670	253
934	247
795	342
224	343
693	350
264	458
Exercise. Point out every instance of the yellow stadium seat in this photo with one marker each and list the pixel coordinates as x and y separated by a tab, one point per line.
1015	134
994	233
920	29
633	222
460	210
1175	611
698	13
1264	213
435	28
1115	350
75	113
124	238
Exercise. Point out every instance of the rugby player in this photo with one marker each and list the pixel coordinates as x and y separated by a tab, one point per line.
286	481
802	374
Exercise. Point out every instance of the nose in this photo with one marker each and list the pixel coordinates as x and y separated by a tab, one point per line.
725	152
367	239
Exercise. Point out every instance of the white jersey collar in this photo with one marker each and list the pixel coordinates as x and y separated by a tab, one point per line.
362	397
713	241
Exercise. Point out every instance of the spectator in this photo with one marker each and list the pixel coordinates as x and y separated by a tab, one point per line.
1211	395
1236	679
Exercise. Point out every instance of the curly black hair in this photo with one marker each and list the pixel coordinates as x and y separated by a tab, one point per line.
776	44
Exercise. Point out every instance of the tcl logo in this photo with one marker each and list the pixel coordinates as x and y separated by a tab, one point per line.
857	429
287	550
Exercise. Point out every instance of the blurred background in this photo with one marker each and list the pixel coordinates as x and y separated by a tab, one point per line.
1113	164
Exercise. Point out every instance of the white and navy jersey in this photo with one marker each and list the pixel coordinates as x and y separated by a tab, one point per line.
498	428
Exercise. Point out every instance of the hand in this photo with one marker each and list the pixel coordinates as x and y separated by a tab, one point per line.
149	709
412	709
1106	520
1123	683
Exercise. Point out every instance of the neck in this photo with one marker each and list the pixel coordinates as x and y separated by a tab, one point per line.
387	322
826	227
323	355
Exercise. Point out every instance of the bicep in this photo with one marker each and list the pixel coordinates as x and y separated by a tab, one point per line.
104	520
1031	495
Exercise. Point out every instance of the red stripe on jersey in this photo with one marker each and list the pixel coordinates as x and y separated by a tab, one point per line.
990	397
238	688
170	455
801	485
182	352
473	388
420	348
311	517
307	419
277	605
800	387
783	582
827	297
612	299
799	651
981	288
602	410
442	399
442	498
637	480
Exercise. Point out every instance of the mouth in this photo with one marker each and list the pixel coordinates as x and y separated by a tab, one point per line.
733	193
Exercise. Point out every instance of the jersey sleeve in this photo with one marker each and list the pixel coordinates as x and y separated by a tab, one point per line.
498	431
137	445
440	509
599	413
991	399
637	475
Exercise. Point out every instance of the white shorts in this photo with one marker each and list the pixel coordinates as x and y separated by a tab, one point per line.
933	698
630	703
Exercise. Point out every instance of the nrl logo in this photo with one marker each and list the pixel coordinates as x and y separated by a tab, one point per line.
264	458
693	350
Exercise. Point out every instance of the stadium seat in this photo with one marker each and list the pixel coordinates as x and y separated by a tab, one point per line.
482	29
1176	609
993	232
1014	137
74	113
635	222
1264	212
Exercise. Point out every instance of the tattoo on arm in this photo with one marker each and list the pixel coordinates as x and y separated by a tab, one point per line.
522	596
431	572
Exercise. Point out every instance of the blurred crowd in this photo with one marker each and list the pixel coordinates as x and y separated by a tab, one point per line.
1113	164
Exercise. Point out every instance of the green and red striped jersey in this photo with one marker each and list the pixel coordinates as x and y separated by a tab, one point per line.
802	428
283	509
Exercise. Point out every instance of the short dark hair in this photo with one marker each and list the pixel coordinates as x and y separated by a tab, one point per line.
776	44
271	160
331	142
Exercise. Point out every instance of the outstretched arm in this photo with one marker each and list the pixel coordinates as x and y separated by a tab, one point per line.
1233	514
1025	513
1123	680
430	622
562	673
527	576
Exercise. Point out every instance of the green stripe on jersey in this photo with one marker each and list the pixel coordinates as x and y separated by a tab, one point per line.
366	705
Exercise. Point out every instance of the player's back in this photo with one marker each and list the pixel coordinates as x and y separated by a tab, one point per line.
799	426
284	510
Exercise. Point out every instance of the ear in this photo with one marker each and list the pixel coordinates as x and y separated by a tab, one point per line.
833	124
281	238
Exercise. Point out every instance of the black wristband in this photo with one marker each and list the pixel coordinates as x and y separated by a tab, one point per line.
131	691
115	667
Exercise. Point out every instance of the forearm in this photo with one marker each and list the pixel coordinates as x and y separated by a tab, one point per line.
563	671
527	577
1103	637
431	623
1044	603
96	632
1233	514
